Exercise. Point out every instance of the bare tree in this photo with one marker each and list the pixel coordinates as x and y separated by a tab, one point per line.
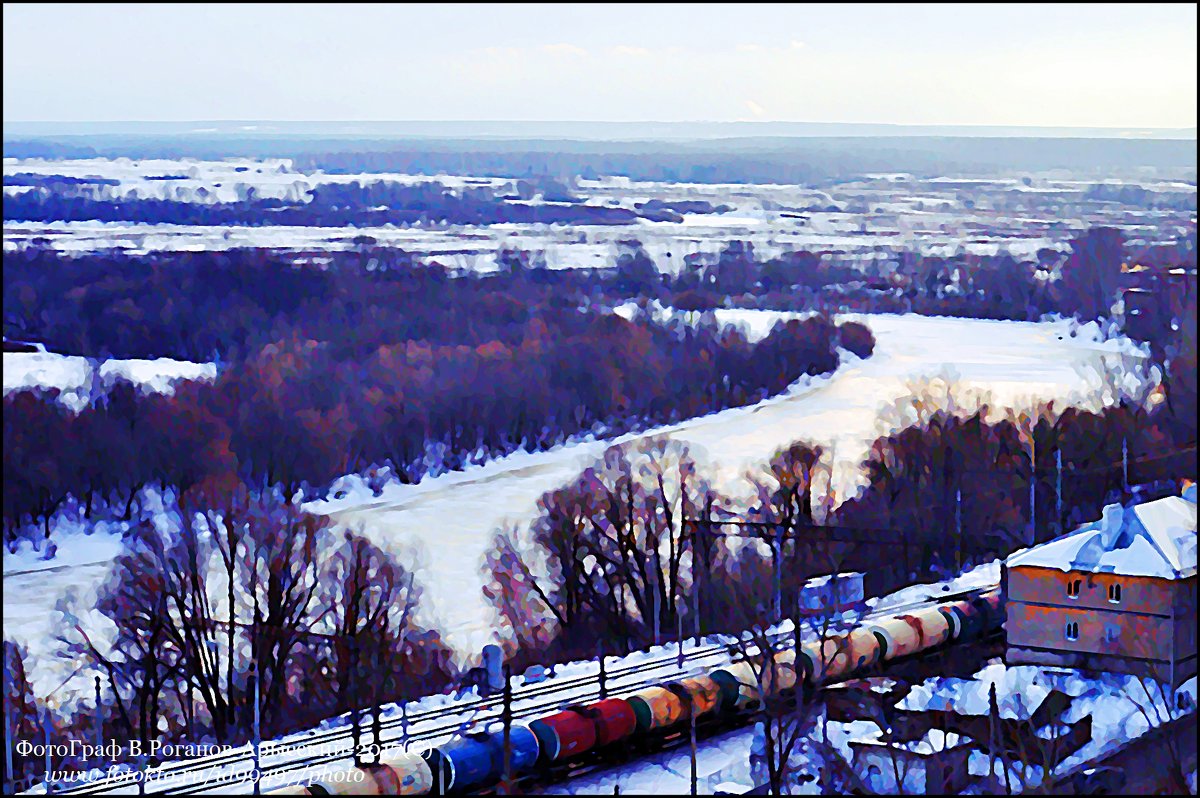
140	660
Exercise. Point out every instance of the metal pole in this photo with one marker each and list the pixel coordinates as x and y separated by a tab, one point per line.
679	631
46	740
1058	514
1032	490
777	552
355	715
692	717
695	587
506	787
657	578
1125	466
376	721
99	726
957	531
257	727
603	674
8	746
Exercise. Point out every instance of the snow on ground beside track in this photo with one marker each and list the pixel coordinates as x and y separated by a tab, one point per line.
454	517
73	376
723	757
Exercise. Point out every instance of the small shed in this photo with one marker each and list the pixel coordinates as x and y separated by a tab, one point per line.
831	594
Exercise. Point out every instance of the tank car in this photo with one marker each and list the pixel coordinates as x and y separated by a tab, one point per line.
523	746
563	734
934	627
739	686
462	763
703	694
854	650
614	719
898	636
656	708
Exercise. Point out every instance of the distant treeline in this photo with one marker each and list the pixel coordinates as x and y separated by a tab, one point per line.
735	160
367	204
333	371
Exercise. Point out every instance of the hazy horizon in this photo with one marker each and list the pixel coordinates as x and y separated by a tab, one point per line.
569	129
1130	66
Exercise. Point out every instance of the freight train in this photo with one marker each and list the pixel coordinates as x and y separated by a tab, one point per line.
474	762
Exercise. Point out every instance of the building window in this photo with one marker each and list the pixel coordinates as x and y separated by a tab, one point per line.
1072	630
1073	588
1114	593
1111	632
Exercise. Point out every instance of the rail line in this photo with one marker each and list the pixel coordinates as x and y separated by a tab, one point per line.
480	712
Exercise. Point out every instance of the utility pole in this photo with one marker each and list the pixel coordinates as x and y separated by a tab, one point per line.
696	572
603	674
657	579
506	716
1032	490
777	553
355	715
1058	513
376	721
46	741
8	743
957	531
1125	466
99	726
257	727
679	631
692	741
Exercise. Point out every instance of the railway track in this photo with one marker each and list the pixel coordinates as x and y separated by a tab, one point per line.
335	746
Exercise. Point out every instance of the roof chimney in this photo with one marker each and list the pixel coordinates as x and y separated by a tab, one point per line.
1112	521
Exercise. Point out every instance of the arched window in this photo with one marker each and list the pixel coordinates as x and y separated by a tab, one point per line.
1072	630
1114	593
1073	588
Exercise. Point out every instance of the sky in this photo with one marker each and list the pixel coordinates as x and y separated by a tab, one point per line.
1095	65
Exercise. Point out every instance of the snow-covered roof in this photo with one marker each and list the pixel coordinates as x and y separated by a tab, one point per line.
1155	539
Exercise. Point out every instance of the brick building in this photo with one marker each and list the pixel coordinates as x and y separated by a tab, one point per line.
1115	595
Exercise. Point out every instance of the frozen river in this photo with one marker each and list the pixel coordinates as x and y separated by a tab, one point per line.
450	520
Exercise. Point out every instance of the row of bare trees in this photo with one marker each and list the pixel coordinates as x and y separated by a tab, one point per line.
241	586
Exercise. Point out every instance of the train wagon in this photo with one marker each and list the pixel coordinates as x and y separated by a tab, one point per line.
563	734
656	708
462	763
972	622
898	636
935	629
779	677
739	687
855	650
703	695
614	719
523	746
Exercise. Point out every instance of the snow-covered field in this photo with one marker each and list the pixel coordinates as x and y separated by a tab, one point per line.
857	219
78	378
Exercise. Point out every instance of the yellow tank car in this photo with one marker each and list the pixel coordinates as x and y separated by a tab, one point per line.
705	694
935	627
856	650
898	636
656	708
